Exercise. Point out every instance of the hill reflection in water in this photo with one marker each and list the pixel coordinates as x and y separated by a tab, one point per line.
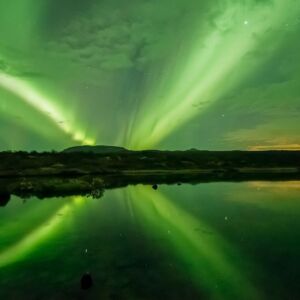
214	240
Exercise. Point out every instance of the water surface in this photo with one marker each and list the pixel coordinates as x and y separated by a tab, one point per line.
206	241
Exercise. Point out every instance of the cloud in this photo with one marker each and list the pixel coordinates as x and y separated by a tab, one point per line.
283	131
114	38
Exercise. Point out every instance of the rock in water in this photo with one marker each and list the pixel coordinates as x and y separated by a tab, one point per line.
4	199
86	281
155	186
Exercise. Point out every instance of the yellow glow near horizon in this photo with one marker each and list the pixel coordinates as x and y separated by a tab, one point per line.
291	147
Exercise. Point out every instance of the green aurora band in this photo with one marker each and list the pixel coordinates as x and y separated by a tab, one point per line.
211	68
212	60
43	105
100	73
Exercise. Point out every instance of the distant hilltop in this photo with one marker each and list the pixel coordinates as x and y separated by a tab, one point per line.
95	149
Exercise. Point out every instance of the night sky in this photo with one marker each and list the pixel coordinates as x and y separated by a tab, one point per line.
166	74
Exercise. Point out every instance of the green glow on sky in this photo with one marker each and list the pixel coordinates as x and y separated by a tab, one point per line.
218	74
43	105
210	68
214	74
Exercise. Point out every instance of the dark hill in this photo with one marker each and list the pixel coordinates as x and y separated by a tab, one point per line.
95	149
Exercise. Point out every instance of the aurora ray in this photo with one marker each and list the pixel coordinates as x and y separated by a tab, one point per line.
45	106
212	68
153	77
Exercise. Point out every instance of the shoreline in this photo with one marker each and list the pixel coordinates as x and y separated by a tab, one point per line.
59	173
95	185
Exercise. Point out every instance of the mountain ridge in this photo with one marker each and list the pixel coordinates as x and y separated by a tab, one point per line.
95	149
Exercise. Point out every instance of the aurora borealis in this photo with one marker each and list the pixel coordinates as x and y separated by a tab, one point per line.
141	74
150	74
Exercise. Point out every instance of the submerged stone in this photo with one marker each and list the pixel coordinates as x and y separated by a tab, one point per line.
4	199
155	186
86	281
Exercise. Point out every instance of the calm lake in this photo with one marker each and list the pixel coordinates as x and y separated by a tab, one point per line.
205	241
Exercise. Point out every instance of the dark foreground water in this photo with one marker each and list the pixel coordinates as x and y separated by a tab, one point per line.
208	241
